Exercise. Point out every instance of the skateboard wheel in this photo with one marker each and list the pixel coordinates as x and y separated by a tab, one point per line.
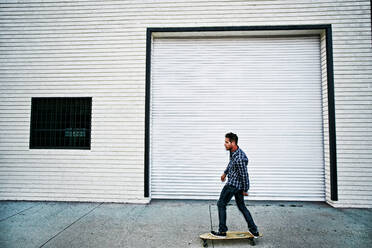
252	241
205	243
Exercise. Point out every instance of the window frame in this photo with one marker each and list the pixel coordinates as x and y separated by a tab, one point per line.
87	146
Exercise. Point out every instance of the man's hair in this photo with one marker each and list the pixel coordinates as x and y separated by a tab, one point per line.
232	137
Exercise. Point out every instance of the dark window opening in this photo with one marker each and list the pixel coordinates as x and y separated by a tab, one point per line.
60	122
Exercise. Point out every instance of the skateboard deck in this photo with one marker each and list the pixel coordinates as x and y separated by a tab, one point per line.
229	236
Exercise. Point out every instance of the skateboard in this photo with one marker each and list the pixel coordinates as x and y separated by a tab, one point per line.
229	236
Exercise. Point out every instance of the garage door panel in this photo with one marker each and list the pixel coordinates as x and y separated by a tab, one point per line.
267	90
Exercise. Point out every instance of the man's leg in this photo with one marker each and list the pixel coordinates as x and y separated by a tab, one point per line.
239	199
225	197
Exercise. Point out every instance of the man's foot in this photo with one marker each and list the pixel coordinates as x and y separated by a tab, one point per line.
256	234
219	234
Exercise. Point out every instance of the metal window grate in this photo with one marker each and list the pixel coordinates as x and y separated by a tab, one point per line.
61	123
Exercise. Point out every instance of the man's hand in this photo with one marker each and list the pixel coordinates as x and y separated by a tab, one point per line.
223	177
245	193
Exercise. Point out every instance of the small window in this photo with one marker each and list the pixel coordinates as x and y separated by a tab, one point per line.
60	123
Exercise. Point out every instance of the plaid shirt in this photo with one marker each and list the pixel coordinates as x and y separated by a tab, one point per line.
237	172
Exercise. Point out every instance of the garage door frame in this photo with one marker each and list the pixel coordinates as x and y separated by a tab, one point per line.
323	30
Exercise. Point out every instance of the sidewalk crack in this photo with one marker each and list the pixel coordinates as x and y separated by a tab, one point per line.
16	214
71	224
210	217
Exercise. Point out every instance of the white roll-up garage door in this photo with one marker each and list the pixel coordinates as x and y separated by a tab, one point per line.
265	89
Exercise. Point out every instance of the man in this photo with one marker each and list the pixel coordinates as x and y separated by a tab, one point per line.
237	185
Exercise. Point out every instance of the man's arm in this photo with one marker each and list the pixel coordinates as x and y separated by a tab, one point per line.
226	172
227	168
243	171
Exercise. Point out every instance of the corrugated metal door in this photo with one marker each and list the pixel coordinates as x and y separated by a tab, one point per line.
267	90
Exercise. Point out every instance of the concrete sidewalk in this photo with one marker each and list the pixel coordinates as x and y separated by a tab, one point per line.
178	224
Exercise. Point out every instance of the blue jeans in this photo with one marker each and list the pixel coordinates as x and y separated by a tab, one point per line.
226	194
